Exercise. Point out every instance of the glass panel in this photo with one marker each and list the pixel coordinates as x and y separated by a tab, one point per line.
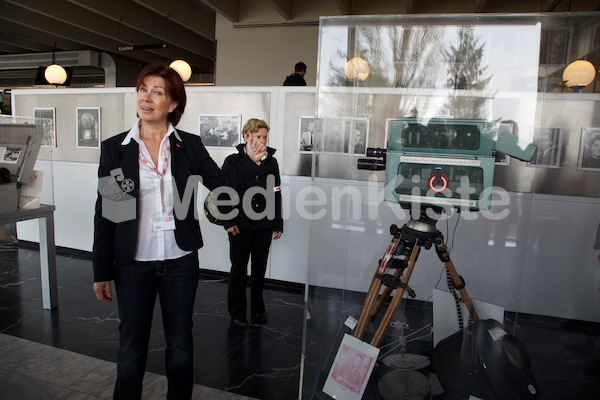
395	95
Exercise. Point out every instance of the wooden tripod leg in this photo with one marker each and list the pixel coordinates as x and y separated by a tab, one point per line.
364	315
459	284
388	290
396	299
374	288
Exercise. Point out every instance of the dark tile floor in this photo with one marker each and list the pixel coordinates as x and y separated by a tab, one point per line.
264	362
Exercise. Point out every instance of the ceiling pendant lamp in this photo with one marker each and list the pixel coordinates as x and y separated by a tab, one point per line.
183	69
55	74
356	68
579	74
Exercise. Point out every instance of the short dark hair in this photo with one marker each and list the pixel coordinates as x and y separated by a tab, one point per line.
174	87
299	67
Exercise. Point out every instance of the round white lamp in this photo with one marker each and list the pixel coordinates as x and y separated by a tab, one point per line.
356	68
579	74
55	74
183	69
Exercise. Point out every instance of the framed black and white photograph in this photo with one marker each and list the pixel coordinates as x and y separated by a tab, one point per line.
358	136
306	134
548	142
589	150
47	119
220	130
88	127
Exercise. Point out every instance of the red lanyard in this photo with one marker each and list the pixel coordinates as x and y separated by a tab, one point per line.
148	164
153	168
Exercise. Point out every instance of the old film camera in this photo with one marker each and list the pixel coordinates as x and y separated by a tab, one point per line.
443	162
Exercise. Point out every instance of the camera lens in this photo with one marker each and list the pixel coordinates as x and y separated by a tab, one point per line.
375	152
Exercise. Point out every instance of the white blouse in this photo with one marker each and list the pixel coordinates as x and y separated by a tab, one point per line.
154	245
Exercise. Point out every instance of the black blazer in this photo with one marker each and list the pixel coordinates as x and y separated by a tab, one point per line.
115	243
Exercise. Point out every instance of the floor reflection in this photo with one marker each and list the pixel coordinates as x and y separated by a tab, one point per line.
263	361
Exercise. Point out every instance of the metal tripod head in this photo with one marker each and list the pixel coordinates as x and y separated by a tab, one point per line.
421	231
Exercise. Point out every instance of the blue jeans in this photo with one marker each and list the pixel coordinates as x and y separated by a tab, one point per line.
137	284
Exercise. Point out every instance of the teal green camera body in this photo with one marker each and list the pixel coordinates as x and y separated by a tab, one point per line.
446	162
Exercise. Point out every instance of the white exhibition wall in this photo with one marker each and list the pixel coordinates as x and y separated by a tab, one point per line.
539	259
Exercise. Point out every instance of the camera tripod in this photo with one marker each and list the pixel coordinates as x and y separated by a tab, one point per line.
401	256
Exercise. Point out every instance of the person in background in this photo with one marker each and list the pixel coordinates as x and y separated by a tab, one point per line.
297	78
155	251
250	233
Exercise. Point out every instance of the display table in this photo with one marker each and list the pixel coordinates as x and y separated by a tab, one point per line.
45	214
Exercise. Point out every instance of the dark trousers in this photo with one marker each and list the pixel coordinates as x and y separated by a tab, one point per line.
137	285
249	244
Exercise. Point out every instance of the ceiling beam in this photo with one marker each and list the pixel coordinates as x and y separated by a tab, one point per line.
230	9
194	16
159	28
44	35
89	38
7	47
31	40
11	35
285	8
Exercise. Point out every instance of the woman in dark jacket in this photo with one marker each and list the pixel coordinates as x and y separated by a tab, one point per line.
145	239
258	220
